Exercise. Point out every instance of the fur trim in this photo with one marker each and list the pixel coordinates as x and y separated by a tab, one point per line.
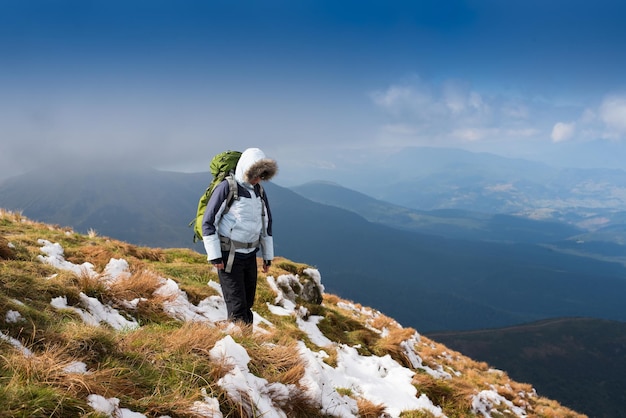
264	168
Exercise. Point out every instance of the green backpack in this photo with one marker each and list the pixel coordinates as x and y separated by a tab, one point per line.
222	168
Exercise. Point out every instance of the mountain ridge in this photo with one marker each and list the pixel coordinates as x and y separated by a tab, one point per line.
427	178
452	223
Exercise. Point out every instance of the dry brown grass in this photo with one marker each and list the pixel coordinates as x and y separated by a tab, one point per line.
281	265
89	284
140	284
88	343
331	299
547	408
193	337
453	393
6	253
434	353
51	367
100	253
97	255
390	344
276	362
381	321
368	409
13	216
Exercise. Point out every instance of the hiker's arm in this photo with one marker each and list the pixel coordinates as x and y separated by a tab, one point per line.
212	214
267	241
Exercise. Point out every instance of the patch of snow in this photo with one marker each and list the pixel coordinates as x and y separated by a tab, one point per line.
77	367
253	393
485	401
13	317
309	326
279	310
111	407
95	312
16	343
380	380
209	407
282	286
177	305
319	383
409	349
317	278
54	257
132	304
115	270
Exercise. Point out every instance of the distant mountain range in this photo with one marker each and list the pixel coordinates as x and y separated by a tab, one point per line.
436	280
450	223
430	179
606	243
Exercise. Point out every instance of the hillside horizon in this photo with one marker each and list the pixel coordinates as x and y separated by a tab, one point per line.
82	313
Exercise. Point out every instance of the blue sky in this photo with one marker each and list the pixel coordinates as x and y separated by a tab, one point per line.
313	83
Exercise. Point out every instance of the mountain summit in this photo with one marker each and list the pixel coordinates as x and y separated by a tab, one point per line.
93	326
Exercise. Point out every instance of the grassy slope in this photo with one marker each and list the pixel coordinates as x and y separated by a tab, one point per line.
162	367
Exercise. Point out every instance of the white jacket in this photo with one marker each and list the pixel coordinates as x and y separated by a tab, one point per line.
247	220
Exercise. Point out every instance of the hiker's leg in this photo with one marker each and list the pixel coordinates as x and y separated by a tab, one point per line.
250	282
234	291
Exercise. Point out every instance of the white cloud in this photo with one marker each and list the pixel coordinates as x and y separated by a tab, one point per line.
407	100
452	113
612	112
563	131
433	105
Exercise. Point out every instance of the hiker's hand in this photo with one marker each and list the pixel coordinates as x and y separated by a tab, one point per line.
219	266
266	268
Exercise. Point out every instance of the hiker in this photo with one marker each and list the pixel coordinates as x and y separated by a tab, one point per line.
233	236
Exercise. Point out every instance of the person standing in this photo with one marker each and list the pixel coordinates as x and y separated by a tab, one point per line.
233	232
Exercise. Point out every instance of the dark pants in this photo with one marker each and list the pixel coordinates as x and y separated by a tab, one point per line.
239	287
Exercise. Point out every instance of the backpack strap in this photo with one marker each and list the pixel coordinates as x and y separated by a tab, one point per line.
261	194
233	192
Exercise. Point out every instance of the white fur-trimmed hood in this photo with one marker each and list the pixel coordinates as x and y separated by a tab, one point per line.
253	163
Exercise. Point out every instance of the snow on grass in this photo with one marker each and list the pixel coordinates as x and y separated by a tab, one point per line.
111	407
381	380
13	317
16	343
54	257
95	312
485	401
209	407
255	395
